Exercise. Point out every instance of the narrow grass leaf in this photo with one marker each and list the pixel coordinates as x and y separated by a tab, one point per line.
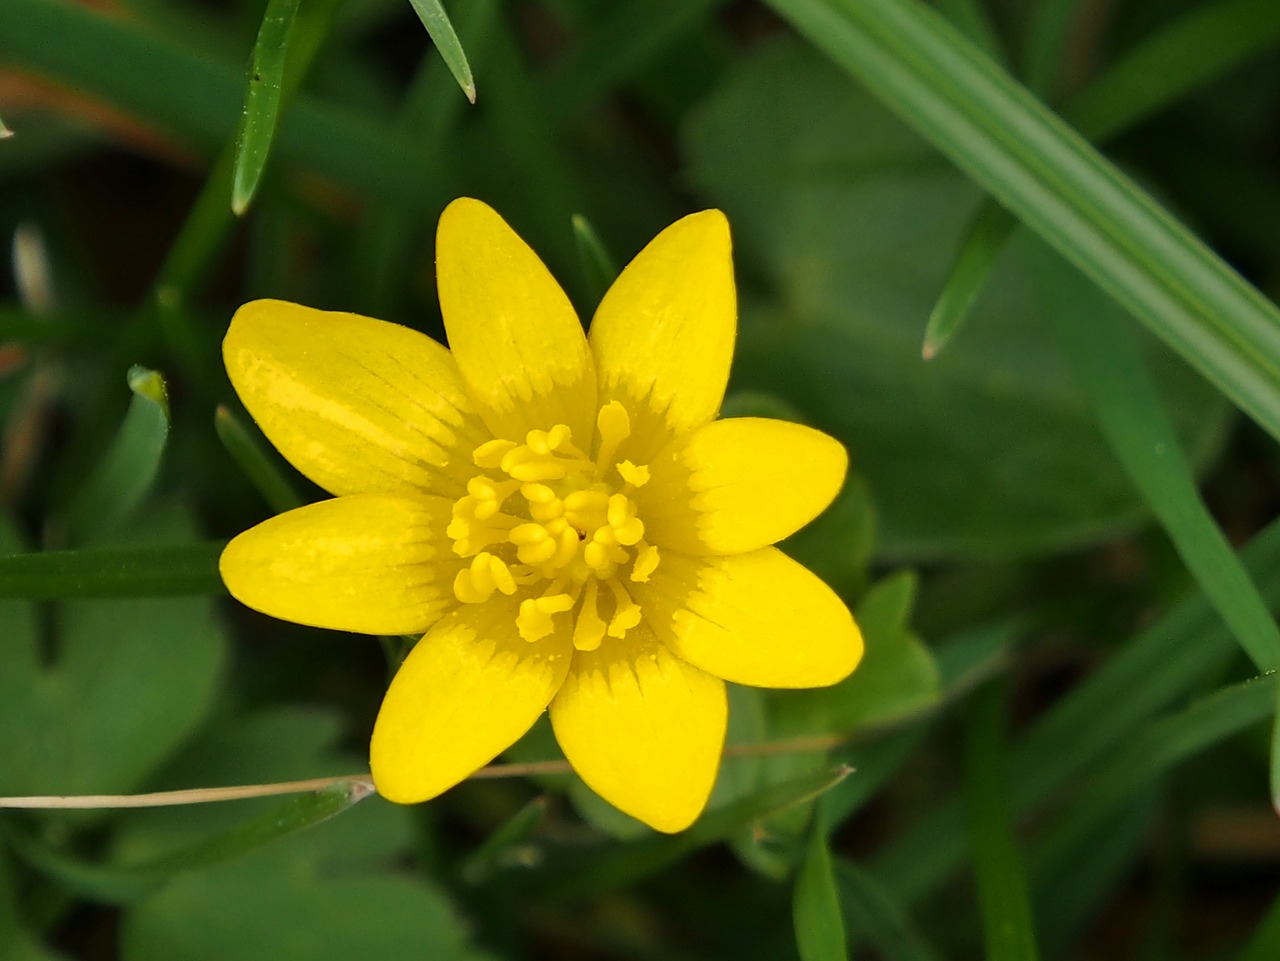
573	874
815	906
120	884
1002	884
433	17
873	914
1044	172
1264	944
1190	52
505	845
1151	754
1102	353
253	458
124	475
1147	674
262	101
183	569
598	269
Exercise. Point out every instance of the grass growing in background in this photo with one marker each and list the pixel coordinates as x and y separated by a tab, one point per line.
1019	257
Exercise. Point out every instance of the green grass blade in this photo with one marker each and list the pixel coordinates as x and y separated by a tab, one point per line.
1155	751
124	475
815	906
433	17
570	875
253	458
262	101
976	258
1190	52
1104	357
121	884
502	846
1044	172
598	269
1161	665
183	569
873	914
1002	883
1264	945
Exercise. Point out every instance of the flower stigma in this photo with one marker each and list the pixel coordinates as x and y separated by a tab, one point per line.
545	519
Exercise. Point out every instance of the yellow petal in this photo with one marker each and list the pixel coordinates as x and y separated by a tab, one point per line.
465	693
759	619
358	405
663	335
373	563
514	333
644	729
740	484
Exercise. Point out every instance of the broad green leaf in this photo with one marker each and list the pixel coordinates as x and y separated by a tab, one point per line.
839	545
855	218
145	570
259	464
262	101
324	894
1264	944
896	679
815	904
1047	175
97	701
1002	883
122	884
872	913
117	485
433	17
16	942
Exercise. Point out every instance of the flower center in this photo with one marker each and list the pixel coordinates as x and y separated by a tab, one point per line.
546	519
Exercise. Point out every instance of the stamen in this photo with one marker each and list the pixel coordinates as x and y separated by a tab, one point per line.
627	528
476	584
633	475
627	614
534	620
614	426
489	454
646	563
589	630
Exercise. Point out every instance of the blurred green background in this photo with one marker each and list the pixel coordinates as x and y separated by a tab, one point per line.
1059	748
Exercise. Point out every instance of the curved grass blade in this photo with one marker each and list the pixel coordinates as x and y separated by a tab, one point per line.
1002	883
433	17
569	875
184	569
872	913
253	459
815	906
502	846
598	269
120	884
1062	188
1190	52
124	475
1105	359
262	101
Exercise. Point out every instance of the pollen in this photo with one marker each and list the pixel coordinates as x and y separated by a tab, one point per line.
556	527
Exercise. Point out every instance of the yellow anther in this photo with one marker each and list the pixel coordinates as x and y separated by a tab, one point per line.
646	563
614	426
489	454
627	613
534	621
586	509
633	475
546	441
538	493
526	464
589	630
476	584
627	528
534	545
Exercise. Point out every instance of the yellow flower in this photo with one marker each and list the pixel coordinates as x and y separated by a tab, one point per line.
562	515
